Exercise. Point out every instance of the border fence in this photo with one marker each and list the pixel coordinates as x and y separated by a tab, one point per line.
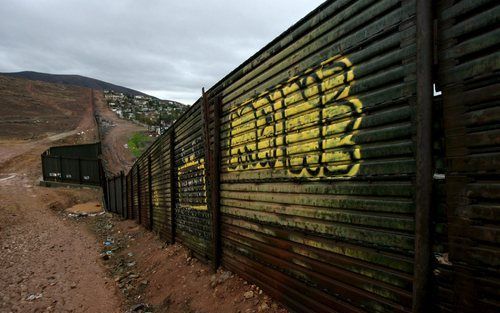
324	170
75	164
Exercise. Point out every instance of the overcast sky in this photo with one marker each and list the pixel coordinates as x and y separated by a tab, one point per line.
168	49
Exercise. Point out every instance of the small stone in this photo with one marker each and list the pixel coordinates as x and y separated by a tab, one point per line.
263	307
248	294
144	282
73	285
34	297
225	276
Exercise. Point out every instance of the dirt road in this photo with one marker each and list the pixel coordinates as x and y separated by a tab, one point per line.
47	262
115	135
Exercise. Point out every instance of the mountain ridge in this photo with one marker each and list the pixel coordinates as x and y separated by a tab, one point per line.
74	80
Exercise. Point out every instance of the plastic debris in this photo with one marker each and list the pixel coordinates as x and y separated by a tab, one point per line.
33	297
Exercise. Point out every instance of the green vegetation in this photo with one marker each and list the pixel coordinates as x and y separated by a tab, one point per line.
138	143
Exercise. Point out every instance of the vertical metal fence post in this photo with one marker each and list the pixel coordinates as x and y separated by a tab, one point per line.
132	195
161	189
80	171
173	186
122	193
102	174
150	187
44	175
108	196
216	183
115	206
60	169
139	205
423	156
212	174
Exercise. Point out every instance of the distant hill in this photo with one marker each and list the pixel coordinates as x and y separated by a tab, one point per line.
32	109
74	80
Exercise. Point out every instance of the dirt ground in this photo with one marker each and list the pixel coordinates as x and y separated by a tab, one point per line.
61	253
165	278
115	132
34	110
47	264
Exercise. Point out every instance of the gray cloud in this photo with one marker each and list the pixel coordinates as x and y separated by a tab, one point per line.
167	48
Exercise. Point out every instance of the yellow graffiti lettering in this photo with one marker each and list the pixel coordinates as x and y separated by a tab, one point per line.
191	184
304	125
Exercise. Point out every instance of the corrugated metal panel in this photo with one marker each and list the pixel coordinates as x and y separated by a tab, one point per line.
73	164
143	187
317	164
89	171
70	169
192	218
211	112
112	191
136	192
469	64
92	150
119	195
50	168
160	170
128	193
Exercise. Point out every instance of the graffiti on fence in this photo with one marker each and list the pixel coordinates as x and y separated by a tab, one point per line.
156	197
300	125
191	183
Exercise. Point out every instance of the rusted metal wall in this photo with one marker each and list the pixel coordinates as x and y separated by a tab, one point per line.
467	265
143	190
134	192
298	170
112	199
129	195
160	177
77	164
116	195
317	161
192	217
211	113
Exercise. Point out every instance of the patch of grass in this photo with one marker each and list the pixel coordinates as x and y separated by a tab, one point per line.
138	143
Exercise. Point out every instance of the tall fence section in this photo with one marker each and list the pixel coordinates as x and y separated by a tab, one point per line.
73	164
308	170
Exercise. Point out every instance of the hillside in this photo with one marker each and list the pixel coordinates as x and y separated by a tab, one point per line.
74	80
34	109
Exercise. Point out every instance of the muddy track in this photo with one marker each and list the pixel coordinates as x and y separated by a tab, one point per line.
114	135
47	263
